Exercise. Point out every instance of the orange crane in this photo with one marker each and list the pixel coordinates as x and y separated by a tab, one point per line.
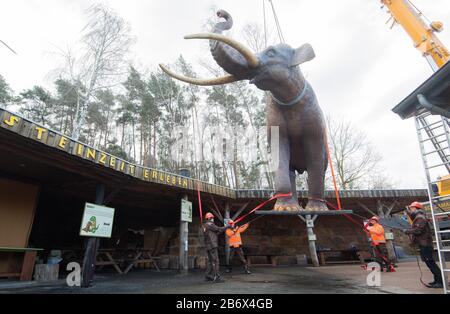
422	33
425	40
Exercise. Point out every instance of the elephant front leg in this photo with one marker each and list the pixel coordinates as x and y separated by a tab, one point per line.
316	176
285	180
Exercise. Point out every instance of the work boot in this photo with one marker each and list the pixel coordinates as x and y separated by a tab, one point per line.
228	270
218	279
437	285
247	271
208	278
390	269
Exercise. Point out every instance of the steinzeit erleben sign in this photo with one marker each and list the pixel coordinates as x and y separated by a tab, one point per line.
41	134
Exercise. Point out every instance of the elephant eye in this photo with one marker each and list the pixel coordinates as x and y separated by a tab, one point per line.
271	53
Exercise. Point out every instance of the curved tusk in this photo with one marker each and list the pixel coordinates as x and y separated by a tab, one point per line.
251	58
200	82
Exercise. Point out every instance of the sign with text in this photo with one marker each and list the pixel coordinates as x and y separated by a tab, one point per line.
97	221
186	211
41	134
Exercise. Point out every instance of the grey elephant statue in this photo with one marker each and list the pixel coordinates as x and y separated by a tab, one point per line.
292	106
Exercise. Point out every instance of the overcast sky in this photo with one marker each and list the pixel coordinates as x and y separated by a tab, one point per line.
362	69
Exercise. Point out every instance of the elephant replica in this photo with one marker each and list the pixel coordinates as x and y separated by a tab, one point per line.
292	107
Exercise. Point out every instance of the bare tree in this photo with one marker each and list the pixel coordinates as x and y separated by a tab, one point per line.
256	37
101	61
355	160
380	181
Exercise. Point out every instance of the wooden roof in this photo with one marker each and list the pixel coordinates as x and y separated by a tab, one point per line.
32	152
436	90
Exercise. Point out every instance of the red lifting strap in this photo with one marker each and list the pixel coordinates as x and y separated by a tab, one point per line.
200	203
336	208
262	205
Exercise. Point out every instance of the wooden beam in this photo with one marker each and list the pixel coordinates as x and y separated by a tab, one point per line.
366	208
28	266
92	245
391	207
217	208
239	212
227	246
389	244
218	215
184	245
117	189
311	241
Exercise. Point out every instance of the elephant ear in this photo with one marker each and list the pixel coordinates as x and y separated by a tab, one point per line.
302	54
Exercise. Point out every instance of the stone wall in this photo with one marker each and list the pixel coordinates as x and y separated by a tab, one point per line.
196	242
403	240
281	236
286	236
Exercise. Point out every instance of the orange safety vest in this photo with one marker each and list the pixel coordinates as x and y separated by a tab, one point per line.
234	236
376	234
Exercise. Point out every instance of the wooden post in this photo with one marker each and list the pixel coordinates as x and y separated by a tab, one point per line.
184	245
389	244
92	245
227	246
28	266
312	240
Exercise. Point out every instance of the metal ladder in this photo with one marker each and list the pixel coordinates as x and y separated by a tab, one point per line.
434	141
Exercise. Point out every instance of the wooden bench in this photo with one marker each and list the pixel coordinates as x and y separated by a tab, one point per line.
272	261
122	260
105	258
141	256
345	253
29	259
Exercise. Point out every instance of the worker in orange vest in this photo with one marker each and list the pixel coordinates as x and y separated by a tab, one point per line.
235	243
378	241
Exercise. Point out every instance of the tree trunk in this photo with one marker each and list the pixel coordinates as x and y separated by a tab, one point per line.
134	140
154	144
122	142
141	144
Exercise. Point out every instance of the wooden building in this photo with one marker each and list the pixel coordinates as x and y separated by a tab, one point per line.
46	178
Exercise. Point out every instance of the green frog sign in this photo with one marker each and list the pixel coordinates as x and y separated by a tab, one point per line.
91	226
97	221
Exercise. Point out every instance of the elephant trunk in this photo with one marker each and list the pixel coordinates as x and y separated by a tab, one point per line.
227	57
232	56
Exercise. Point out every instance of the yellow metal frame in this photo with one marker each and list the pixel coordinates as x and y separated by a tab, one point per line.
423	35
444	186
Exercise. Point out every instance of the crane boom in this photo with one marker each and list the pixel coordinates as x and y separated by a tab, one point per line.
423	35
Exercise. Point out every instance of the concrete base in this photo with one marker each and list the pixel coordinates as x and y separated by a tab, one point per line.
46	272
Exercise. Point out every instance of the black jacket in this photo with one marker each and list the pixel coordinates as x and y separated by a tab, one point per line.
421	231
211	232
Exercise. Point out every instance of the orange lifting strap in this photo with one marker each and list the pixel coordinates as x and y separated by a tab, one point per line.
330	162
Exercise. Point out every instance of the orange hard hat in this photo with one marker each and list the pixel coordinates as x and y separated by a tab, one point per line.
375	218
416	205
209	216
